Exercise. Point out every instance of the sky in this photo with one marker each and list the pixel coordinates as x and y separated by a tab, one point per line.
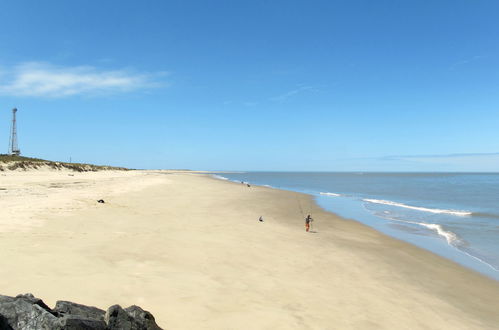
277	85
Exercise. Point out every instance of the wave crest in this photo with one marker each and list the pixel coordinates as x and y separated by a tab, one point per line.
216	176
330	194
451	238
423	209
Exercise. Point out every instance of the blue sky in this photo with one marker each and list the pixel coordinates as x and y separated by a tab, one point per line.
254	85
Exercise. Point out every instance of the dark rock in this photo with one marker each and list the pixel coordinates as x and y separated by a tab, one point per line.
143	318
131	318
4	324
32	299
117	318
77	310
70	322
25	313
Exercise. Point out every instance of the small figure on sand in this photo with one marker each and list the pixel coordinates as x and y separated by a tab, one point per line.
261	219
308	221
248	185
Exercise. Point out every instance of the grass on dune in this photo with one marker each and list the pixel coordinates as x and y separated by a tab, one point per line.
13	162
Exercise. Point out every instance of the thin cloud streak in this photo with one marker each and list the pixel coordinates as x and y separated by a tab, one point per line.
287	95
455	162
35	79
442	156
467	61
250	104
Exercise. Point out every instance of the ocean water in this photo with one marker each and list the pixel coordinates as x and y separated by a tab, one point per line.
455	215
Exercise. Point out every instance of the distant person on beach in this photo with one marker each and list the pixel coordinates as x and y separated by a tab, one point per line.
261	219
248	185
308	221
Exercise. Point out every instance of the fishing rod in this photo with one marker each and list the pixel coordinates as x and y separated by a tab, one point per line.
310	211
299	204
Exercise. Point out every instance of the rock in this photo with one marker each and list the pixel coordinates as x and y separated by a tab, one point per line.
131	318
4	324
32	299
25	312
82	311
70	322
143	318
79	317
117	318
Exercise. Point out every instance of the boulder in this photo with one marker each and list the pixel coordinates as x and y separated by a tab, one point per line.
70	322
131	318
66	307
117	318
4	324
26	313
32	299
143	318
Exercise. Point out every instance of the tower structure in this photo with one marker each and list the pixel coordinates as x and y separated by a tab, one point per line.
13	146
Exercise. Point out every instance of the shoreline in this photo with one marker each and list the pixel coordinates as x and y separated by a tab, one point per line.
436	240
314	199
189	248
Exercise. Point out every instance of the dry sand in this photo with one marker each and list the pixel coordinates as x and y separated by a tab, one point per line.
190	249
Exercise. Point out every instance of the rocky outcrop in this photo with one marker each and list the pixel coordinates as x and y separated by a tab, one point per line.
131	318
26	312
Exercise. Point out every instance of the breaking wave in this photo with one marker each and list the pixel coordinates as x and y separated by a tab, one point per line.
423	209
451	238
455	241
216	176
330	194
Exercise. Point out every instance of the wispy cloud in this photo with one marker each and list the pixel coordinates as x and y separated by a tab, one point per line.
460	162
481	162
38	79
250	104
285	96
467	61
441	156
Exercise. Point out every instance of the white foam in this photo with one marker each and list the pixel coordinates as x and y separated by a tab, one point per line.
423	209
448	235
268	186
330	194
219	177
452	239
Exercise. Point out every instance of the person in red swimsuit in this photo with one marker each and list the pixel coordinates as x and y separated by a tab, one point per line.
308	220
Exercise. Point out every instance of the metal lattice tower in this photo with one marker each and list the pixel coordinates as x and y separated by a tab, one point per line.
13	147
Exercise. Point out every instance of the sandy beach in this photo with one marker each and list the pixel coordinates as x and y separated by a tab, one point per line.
190	249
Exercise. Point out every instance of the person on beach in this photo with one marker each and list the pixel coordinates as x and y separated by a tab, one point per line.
261	219
308	221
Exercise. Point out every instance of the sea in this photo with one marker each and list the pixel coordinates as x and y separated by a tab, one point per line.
455	215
